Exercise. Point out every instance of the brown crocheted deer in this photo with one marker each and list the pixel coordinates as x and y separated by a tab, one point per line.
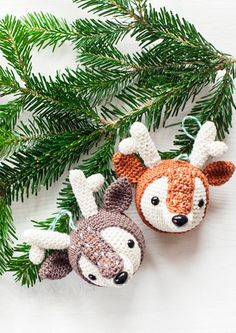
172	195
105	249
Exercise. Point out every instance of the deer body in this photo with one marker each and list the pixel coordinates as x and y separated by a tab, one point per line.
106	247
172	195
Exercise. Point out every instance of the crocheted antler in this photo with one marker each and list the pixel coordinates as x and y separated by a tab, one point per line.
42	240
140	142
205	145
83	189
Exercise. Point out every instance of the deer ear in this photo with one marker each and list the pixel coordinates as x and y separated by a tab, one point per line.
56	266
118	196
218	173
128	166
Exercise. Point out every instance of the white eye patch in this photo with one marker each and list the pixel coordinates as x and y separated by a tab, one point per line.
91	272
153	202
125	244
199	201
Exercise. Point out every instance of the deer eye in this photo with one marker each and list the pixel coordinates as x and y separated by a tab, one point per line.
201	203
92	277
155	201
131	243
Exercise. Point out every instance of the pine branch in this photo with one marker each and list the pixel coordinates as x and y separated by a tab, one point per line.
15	46
218	106
109	7
46	97
168	26
170	96
97	86
97	32
24	137
9	114
8	82
105	57
9	143
24	271
26	171
7	233
47	30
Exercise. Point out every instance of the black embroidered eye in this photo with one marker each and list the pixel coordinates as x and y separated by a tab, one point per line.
155	201
92	277
131	243
201	203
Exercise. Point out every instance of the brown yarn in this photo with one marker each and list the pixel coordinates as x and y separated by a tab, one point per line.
219	172
118	196
56	266
102	220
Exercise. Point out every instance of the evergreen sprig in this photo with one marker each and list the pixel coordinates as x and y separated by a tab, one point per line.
93	106
7	233
47	30
15	46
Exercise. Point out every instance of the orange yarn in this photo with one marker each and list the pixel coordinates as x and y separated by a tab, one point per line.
128	166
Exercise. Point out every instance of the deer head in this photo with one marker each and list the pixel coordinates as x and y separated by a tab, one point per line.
172	195
105	249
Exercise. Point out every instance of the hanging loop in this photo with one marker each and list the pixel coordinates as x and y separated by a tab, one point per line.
185	130
59	215
183	157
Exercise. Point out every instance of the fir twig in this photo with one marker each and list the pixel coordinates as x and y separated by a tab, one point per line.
7	233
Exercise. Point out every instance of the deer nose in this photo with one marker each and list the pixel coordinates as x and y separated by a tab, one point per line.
179	220
121	278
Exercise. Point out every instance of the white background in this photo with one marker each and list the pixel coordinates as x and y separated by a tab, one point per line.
187	283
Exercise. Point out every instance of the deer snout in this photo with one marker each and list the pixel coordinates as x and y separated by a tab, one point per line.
180	220
128	271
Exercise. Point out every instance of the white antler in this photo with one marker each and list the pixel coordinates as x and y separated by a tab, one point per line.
42	240
83	190
205	145
140	142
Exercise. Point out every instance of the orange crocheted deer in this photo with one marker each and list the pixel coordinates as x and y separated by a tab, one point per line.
172	195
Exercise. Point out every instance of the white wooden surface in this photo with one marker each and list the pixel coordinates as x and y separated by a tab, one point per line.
187	283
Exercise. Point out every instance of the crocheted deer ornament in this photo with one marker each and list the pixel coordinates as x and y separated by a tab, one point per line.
105	249
172	195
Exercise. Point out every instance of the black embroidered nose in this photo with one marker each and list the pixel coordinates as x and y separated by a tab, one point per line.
121	278
179	220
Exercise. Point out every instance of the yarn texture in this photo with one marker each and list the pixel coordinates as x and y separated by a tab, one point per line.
172	195
106	248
